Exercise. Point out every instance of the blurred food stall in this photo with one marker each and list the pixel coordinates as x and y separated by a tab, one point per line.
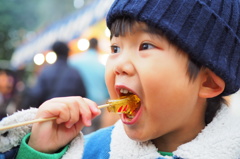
84	24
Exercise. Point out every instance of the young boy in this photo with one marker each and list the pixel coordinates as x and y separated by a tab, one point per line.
180	58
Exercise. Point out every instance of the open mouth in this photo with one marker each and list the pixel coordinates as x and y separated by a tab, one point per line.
133	104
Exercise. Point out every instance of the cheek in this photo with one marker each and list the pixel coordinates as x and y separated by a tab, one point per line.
167	88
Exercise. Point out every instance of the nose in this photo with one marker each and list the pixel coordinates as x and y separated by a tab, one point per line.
124	66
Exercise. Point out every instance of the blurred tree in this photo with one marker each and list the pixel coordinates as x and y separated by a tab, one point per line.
21	19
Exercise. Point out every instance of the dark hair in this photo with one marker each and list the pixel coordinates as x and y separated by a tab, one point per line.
123	25
60	48
93	43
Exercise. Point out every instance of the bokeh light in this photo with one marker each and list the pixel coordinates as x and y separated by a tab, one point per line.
39	59
107	32
51	57
83	44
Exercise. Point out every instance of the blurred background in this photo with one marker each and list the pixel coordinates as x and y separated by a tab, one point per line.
29	28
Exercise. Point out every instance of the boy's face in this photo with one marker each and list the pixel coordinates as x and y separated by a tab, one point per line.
156	71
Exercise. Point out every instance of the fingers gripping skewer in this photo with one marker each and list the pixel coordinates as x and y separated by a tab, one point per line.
126	105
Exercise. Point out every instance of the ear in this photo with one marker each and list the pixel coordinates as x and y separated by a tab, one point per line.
212	85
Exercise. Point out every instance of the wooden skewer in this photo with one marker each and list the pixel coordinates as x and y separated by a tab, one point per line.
26	123
103	106
38	120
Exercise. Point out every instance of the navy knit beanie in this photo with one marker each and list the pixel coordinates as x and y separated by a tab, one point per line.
208	30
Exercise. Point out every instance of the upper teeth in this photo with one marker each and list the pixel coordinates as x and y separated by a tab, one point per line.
125	91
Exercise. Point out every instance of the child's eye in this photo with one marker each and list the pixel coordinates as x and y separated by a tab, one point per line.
115	49
146	46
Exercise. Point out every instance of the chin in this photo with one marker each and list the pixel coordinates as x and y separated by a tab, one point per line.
136	135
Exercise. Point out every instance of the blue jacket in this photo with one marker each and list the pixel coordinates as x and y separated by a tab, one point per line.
97	145
219	139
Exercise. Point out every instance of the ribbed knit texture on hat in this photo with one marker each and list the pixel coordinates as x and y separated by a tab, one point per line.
208	30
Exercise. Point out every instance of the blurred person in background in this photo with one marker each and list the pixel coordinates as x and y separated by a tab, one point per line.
93	72
8	93
56	80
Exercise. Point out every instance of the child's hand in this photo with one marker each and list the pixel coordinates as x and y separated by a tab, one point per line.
73	114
